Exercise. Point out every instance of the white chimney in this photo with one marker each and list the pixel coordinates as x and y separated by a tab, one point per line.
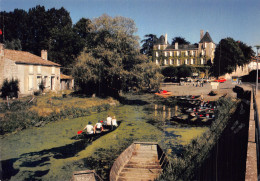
201	34
44	54
166	39
176	46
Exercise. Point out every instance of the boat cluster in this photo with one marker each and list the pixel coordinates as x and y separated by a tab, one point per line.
195	111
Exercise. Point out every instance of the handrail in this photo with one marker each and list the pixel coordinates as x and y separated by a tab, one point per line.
257	133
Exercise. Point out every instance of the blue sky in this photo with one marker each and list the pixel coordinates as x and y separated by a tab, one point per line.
239	19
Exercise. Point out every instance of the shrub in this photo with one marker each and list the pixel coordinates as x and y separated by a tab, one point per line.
10	88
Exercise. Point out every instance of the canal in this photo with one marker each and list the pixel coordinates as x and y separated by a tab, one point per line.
49	153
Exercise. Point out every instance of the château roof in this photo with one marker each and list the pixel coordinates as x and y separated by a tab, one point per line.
206	38
22	57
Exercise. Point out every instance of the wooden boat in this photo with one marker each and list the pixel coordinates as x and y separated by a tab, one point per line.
86	175
164	94
140	161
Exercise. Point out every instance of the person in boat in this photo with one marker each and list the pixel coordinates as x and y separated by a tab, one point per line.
109	120
114	123
98	127
89	128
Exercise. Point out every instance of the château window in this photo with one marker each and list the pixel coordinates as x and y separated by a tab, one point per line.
165	62
186	53
170	54
171	62
178	53
156	62
156	54
201	61
191	61
178	62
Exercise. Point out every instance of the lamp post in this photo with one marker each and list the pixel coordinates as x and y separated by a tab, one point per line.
256	86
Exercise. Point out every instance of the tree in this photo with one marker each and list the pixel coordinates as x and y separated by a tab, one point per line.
170	71
147	47
41	29
180	41
10	88
228	55
112	63
184	71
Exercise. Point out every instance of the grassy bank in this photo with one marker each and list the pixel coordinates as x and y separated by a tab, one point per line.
182	167
20	114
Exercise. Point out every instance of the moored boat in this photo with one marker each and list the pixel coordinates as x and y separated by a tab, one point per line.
140	161
87	175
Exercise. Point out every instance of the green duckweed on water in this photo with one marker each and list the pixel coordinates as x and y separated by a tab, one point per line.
49	153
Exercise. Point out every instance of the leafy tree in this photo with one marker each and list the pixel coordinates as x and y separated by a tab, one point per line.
147	47
184	71
40	29
228	55
180	40
15	44
113	63
170	71
10	88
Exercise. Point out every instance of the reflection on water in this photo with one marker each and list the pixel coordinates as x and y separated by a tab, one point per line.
48	153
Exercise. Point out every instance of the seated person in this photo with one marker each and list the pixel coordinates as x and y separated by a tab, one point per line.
98	127
89	128
114	123
109	120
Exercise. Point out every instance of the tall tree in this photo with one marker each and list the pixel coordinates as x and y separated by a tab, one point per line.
180	40
148	42
113	62
229	54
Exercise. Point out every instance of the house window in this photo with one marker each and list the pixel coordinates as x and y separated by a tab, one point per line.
178	53
201	61
186	53
171	62
30	82
170	54
165	54
39	69
156	54
52	70
165	62
191	61
39	80
30	69
159	47
178	62
156	62
202	52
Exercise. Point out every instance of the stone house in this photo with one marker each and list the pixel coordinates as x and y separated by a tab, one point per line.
199	54
30	70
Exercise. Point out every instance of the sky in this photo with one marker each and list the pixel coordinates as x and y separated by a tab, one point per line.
239	19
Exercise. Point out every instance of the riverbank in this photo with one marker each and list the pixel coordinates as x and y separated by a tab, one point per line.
37	111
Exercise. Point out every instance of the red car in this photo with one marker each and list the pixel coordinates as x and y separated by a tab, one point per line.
221	80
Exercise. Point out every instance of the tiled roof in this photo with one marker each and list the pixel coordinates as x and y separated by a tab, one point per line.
21	57
62	76
206	38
